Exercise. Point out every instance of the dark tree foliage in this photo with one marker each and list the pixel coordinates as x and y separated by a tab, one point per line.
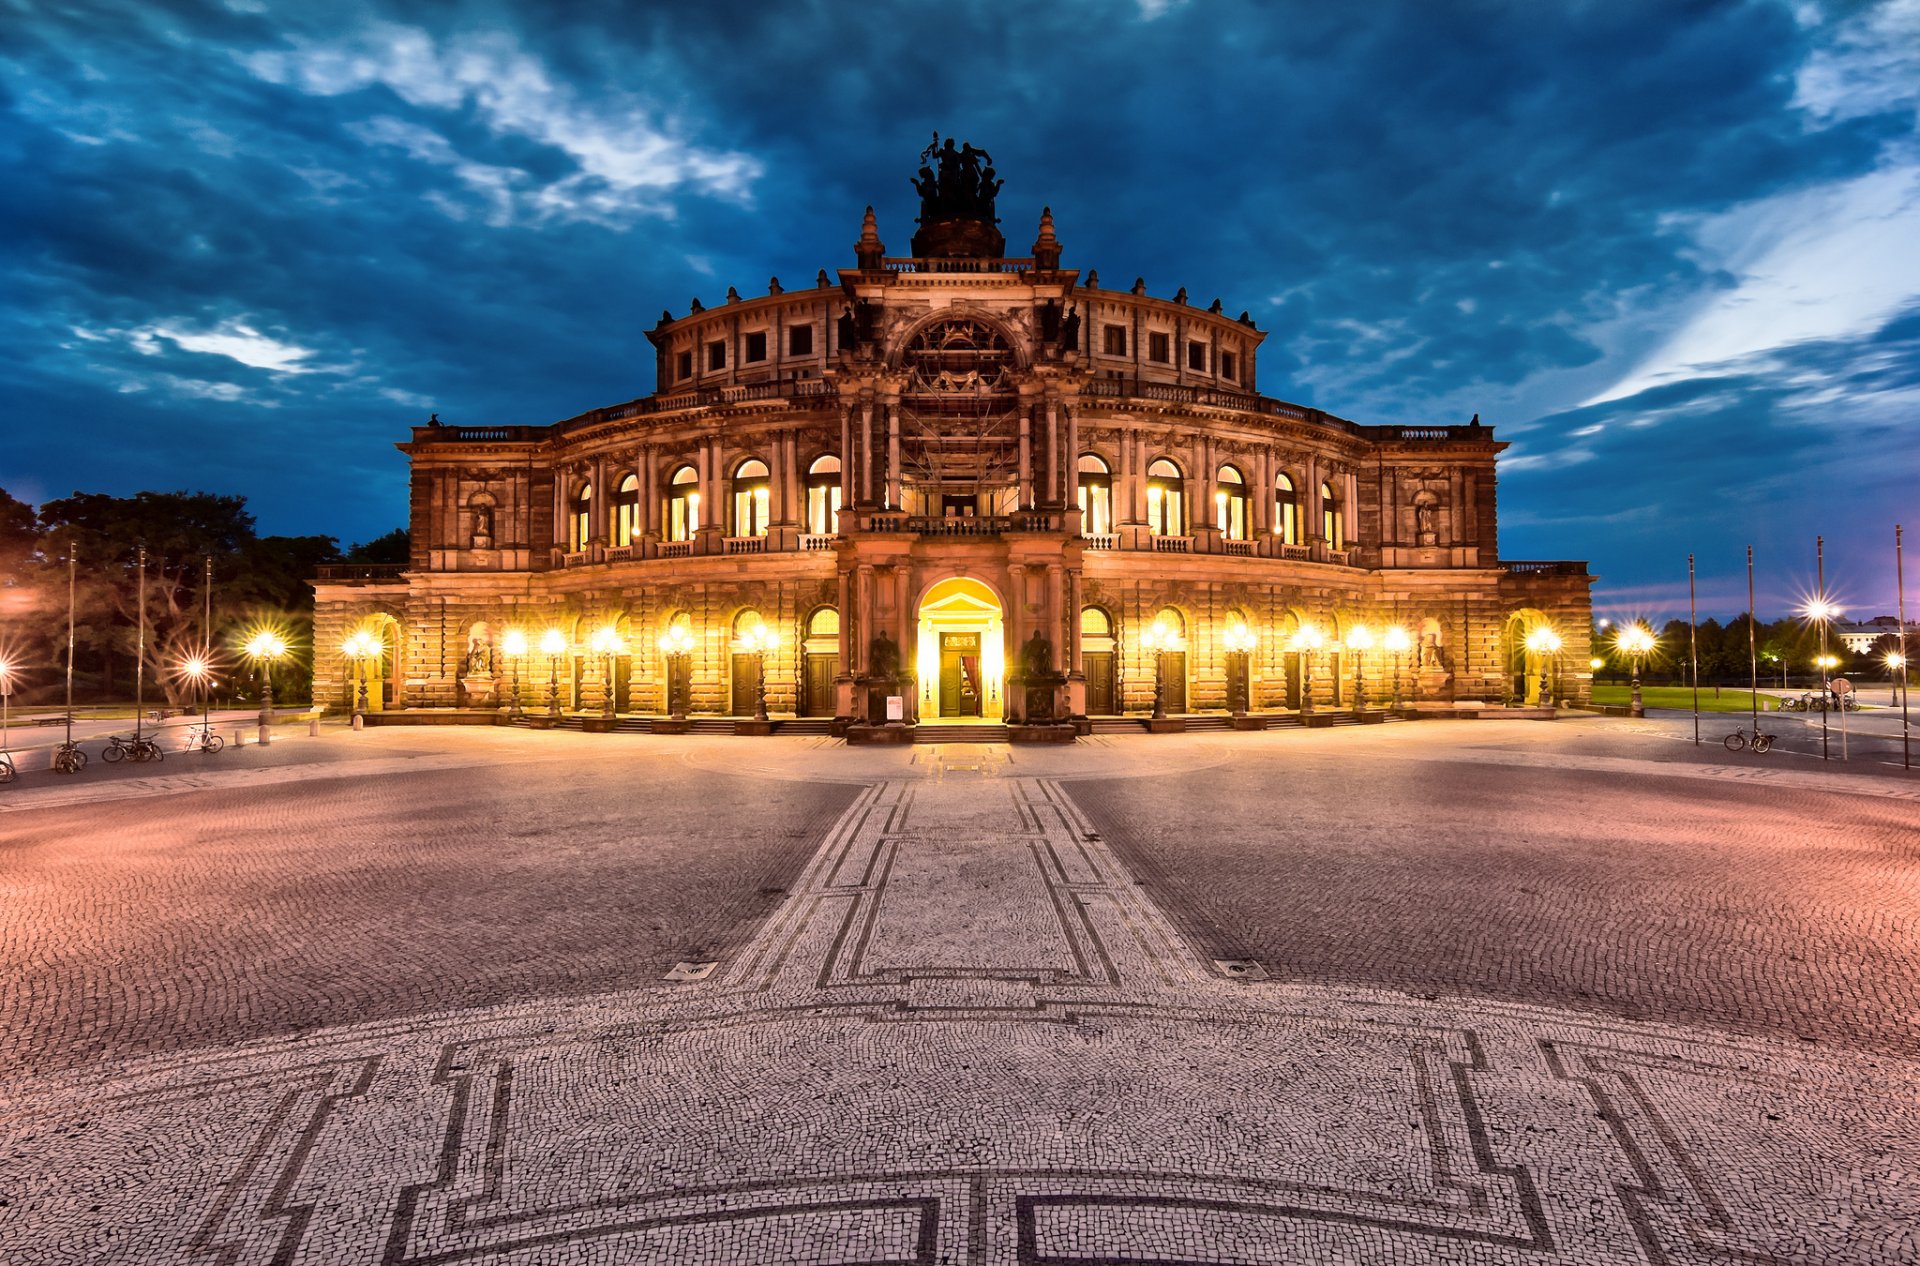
393	547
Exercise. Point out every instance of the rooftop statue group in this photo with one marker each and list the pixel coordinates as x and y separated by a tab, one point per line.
964	186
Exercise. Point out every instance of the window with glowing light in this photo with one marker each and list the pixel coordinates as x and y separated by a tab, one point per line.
1286	511
823	496
626	511
1166	499
1230	504
752	491
1333	522
683	504
1096	496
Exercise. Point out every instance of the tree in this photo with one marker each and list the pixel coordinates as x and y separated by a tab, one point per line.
394	547
19	538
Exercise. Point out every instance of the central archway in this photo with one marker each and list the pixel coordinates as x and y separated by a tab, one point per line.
961	652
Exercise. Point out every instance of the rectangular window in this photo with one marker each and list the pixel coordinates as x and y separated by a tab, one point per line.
717	354
1226	365
1114	340
1196	355
683	368
756	346
800	340
1160	347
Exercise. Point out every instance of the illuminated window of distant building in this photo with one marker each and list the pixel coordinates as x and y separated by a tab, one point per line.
626	511
1286	511
580	518
752	491
1230	504
1332	520
683	504
1166	499
1096	496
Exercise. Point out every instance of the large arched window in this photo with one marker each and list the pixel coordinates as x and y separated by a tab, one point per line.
1096	496
823	496
1230	504
1332	519
580	518
752	490
1286	511
1166	499
683	504
626	511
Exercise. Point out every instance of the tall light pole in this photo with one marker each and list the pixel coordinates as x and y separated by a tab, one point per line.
1240	641
6	699
514	644
140	650
760	642
607	643
1305	641
553	644
1636	640
1823	613
676	645
200	673
264	647
1359	640
1545	644
1397	641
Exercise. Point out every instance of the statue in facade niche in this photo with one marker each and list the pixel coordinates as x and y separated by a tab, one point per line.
482	526
1070	328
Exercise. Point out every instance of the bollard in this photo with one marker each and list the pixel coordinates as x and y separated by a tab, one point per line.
359	721
239	736
313	727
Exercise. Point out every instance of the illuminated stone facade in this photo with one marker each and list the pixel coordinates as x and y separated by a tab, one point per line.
980	486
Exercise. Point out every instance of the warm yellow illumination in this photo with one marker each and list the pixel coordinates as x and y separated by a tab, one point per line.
514	642
1543	641
1161	635
362	645
1397	639
1596	664
1820	609
1827	661
553	642
759	640
1239	638
1360	638
607	641
1306	638
1634	639
1894	660
266	644
676	641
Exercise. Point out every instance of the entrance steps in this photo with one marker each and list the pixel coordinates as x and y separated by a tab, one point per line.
804	727
985	732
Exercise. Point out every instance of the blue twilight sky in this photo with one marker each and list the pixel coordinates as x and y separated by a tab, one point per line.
1670	250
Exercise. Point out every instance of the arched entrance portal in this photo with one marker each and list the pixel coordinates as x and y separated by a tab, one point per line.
379	672
961	658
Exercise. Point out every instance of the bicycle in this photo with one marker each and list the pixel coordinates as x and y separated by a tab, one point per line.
202	740
69	759
7	771
1761	743
140	749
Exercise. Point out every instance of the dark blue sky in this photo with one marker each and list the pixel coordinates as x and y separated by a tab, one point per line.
1671	251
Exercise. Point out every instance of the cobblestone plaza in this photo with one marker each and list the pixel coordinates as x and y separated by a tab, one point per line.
1435	992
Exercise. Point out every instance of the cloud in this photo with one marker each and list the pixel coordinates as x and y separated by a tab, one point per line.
625	158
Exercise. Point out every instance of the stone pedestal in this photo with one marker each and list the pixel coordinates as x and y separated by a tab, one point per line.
671	725
1061	733
752	727
479	690
597	725
1166	725
1249	723
857	733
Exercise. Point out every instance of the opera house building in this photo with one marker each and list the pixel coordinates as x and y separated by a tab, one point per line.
953	486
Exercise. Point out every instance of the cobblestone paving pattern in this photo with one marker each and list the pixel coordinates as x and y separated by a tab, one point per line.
968	1032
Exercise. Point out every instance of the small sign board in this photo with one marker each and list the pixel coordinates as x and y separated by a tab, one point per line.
1842	686
896	708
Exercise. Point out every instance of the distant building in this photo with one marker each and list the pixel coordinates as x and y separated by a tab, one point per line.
1859	638
987	487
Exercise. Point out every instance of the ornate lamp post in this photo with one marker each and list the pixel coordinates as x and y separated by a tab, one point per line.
676	644
264	648
760	642
1397	641
607	643
1240	640
514	644
1305	641
200	673
553	644
1160	638
1545	643
359	648
1636	640
1359	641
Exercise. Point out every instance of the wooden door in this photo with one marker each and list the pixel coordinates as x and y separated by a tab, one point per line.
1293	680
1237	682
1098	667
1176	681
821	670
746	680
959	674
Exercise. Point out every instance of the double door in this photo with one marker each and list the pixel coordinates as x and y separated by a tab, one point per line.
960	685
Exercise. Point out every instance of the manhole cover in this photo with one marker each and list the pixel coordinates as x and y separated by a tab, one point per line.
690	971
1240	968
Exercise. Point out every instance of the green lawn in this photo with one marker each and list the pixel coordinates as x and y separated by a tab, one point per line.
1726	699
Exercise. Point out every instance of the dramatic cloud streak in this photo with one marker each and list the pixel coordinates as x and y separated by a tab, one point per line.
1669	251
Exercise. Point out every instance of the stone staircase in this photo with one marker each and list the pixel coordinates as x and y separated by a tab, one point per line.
985	732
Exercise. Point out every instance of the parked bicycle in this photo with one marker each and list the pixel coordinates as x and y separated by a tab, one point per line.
1760	742
7	771
138	749
203	740
69	759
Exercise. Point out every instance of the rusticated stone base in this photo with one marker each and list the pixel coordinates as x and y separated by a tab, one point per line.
1042	733
1249	723
751	727
880	733
1166	725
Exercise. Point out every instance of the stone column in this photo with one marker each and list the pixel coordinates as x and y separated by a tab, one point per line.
846	458
1053	451
1026	459
866	453
893	455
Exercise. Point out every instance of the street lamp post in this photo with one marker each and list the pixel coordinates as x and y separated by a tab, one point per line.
1305	641
1240	641
1896	663
1397	642
1636	640
676	644
1359	641
200	673
760	642
264	648
6	700
608	644
514	644
553	644
1545	643
358	649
